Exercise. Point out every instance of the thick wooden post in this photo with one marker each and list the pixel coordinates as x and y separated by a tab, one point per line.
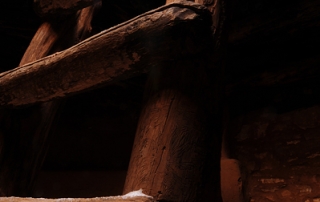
176	152
174	155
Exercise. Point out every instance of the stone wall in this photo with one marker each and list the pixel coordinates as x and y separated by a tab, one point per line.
279	154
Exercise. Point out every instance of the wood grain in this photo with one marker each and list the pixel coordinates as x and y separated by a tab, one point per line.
118	53
176	154
176	151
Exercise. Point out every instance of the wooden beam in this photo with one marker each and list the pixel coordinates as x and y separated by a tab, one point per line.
59	8
120	52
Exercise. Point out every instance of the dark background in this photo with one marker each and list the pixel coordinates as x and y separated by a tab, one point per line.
272	62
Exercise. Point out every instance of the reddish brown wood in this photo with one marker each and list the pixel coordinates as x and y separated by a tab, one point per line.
101	59
176	152
41	44
169	1
174	148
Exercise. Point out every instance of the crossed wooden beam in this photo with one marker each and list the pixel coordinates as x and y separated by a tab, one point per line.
120	52
239	33
175	42
174	133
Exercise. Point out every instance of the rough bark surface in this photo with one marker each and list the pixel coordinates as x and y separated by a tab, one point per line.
142	38
176	154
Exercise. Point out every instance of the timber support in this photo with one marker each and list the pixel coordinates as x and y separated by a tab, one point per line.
176	153
118	53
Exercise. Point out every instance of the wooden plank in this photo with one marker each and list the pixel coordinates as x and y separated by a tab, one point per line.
118	53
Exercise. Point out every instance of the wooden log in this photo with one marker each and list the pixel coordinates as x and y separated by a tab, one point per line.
26	134
120	52
176	152
41	44
59	8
